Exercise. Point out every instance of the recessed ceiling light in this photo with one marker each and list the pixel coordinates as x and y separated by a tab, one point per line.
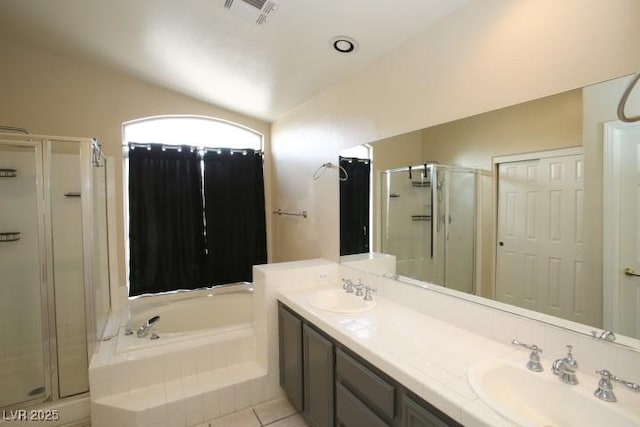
344	45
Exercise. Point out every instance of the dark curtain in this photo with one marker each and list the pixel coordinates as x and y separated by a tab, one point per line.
166	231
354	206
235	215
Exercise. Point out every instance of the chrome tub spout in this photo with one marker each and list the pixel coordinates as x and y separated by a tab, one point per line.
144	330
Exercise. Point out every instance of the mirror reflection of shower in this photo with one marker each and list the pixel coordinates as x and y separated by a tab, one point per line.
428	217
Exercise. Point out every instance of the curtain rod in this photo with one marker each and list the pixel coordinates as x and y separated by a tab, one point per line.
356	159
147	145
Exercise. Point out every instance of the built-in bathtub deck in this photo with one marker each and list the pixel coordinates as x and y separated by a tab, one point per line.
177	380
186	401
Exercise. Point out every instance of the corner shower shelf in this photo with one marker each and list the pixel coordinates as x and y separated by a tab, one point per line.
9	237
8	173
421	184
420	217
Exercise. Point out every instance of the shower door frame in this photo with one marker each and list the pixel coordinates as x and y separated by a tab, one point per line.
383	205
49	356
436	220
433	168
86	179
43	157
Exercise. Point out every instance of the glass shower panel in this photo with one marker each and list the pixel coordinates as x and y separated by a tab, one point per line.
22	353
428	223
100	255
439	224
406	217
459	226
66	226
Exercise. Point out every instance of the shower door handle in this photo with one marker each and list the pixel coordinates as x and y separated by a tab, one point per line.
434	215
630	272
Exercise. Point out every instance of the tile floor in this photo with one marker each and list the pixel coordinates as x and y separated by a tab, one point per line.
276	413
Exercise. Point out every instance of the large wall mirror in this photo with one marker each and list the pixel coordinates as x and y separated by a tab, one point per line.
531	208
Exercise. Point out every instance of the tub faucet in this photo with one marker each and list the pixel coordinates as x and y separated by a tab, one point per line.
566	368
144	330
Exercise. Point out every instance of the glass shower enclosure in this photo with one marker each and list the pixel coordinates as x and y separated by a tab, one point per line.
428	216
54	287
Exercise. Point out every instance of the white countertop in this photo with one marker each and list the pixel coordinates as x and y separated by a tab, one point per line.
428	356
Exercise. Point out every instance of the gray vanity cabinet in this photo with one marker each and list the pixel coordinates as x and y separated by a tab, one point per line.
290	345
306	368
415	414
333	386
318	378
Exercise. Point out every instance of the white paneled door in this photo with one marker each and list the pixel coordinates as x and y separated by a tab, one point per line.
540	231
622	229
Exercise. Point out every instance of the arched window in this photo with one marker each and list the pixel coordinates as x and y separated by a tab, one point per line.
194	203
196	131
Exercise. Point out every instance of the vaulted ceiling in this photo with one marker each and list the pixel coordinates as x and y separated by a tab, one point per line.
199	48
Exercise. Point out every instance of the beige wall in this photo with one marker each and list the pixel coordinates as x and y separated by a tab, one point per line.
544	124
52	94
488	55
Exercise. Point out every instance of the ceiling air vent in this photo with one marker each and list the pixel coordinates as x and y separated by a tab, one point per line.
257	11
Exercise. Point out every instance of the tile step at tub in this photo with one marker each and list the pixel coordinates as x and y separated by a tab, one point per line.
198	397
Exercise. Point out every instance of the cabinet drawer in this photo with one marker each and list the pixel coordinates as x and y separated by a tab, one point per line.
375	391
351	412
416	415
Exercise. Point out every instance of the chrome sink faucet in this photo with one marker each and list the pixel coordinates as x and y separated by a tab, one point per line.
144	330
566	368
348	286
534	357
605	388
367	294
359	288
604	335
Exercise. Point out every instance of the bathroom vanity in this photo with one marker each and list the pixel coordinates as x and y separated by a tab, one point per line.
408	359
331	385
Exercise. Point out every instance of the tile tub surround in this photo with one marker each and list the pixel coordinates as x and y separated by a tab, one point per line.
196	381
427	340
176	384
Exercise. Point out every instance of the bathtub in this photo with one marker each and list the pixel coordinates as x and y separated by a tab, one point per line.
215	314
204	363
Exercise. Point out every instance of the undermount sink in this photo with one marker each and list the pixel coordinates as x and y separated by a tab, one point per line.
338	301
540	399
